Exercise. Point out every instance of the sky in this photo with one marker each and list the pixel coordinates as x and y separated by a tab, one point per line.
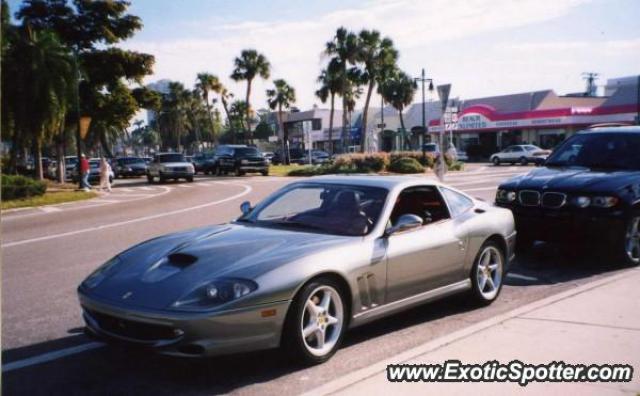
481	47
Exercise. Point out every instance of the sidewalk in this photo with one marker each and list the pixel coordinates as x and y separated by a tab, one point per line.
596	323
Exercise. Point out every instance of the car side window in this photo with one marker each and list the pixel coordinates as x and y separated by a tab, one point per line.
458	203
518	149
424	201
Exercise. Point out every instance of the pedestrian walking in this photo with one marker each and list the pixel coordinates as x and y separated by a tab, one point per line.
105	172
84	173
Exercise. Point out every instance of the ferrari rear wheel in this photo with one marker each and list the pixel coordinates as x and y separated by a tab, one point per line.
487	273
316	322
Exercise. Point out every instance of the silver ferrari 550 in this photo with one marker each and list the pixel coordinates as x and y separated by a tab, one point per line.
312	260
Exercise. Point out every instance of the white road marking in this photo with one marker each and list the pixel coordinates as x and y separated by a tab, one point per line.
247	190
523	277
125	189
49	356
184	186
145	188
48	209
91	203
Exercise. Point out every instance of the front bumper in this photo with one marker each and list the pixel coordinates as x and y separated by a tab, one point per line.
568	225
176	174
187	334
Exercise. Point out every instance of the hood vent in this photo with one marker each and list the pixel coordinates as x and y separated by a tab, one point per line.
181	259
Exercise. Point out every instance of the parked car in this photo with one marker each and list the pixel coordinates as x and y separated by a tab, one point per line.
314	259
240	160
129	166
147	160
94	172
431	148
295	156
268	155
202	162
167	166
522	154
318	157
588	192
462	156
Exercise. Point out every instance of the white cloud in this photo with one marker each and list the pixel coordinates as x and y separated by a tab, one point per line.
295	47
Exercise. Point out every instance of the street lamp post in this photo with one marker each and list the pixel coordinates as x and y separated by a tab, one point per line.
423	79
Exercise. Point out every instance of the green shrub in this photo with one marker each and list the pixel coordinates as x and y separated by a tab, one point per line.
456	166
15	187
309	170
361	163
406	165
427	160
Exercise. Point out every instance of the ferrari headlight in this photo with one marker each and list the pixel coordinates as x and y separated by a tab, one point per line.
505	196
604	202
101	273
582	202
215	293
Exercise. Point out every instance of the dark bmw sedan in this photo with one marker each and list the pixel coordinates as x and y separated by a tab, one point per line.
588	191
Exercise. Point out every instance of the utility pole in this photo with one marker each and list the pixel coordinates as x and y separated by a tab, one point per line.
422	79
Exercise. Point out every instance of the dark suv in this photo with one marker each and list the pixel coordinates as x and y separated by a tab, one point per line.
240	160
588	191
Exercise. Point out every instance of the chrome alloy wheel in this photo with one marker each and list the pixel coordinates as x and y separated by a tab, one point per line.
489	275
322	320
632	240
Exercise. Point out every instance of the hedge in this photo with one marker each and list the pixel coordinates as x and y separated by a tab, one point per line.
406	165
15	187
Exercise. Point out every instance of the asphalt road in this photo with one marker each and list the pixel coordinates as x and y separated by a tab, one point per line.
46	253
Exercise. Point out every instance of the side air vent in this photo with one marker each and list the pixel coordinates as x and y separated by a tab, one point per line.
368	291
181	259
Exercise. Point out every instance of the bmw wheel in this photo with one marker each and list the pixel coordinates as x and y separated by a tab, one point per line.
316	322
487	273
632	240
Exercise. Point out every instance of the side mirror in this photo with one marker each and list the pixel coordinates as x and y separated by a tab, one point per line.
245	207
406	222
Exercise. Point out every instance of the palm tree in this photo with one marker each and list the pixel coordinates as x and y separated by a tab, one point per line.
237	113
208	83
248	65
40	89
283	95
173	119
378	55
330	86
225	97
399	90
344	50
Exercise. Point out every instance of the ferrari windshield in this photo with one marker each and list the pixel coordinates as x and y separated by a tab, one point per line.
327	208
599	150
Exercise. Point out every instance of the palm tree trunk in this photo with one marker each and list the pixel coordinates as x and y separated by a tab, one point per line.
365	114
60	155
344	123
333	96
104	143
37	153
226	112
402	128
247	135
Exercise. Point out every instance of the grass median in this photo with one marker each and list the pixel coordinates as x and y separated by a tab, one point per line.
49	198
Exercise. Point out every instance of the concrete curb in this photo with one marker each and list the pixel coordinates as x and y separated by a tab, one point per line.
345	381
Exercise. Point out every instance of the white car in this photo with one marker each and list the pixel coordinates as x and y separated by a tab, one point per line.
170	166
522	154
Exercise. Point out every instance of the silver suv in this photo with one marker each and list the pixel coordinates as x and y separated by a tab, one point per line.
170	166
